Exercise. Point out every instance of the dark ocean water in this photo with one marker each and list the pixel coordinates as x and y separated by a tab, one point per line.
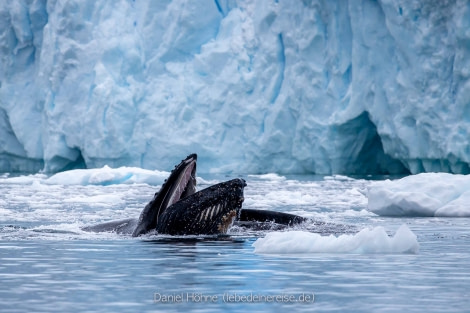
47	264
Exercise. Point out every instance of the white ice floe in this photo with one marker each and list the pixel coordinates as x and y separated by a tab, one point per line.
108	176
269	176
366	241
427	194
99	176
106	200
22	180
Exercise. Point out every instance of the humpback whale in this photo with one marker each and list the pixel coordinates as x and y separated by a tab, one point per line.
177	209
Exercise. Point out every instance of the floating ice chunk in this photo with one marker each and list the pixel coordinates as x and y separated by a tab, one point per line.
23	180
427	194
97	200
366	241
270	176
456	208
338	177
108	176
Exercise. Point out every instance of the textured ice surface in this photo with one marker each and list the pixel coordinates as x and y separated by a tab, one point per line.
252	86
366	241
426	194
70	200
107	176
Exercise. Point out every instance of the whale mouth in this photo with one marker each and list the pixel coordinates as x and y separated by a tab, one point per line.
180	184
185	182
177	209
209	211
226	221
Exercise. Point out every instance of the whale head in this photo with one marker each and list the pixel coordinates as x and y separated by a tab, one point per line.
209	211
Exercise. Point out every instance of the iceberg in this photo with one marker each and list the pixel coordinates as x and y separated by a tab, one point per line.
107	176
367	241
104	176
326	87
421	195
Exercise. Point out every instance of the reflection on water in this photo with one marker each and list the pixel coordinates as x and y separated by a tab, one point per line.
126	276
47	264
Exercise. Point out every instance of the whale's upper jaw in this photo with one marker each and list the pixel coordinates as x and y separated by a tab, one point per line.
180	184
209	211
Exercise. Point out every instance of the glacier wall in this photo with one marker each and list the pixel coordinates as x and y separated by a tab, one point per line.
323	87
